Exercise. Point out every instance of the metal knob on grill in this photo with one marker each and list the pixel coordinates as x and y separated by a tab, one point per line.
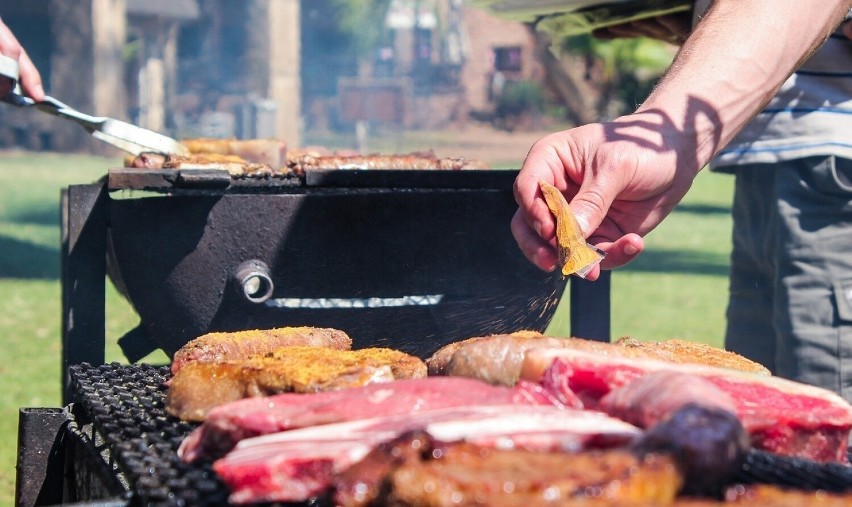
253	281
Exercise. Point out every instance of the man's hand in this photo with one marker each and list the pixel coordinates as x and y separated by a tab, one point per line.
29	76
621	177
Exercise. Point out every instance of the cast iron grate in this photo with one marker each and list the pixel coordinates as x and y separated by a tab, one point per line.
766	468
126	408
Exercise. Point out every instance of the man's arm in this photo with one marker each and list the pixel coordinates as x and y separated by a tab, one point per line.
623	177
735	61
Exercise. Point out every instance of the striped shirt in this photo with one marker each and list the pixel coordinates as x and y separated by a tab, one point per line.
811	115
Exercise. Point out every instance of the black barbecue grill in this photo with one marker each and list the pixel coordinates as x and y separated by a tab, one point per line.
410	259
405	259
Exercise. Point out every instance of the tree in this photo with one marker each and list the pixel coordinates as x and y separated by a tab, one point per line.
624	71
362	21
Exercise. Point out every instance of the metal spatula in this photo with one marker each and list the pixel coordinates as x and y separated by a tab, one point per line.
122	135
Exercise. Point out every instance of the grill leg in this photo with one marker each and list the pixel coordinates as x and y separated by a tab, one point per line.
41	457
84	211
590	307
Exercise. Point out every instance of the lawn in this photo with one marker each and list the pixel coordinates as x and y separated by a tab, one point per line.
676	289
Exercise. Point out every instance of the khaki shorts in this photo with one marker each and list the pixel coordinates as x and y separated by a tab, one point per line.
790	305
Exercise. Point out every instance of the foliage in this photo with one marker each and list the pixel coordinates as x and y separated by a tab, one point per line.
520	97
629	67
362	21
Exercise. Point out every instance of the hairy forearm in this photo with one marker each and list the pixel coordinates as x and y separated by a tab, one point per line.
731	66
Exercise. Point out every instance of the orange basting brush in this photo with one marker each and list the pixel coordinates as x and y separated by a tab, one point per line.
576	256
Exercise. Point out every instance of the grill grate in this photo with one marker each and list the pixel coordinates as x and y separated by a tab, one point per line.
126	407
765	468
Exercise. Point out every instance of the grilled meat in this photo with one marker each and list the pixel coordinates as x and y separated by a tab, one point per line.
682	351
145	161
295	465
200	386
466	474
235	165
440	360
780	415
230	423
497	359
255	157
218	347
656	396
420	160
269	152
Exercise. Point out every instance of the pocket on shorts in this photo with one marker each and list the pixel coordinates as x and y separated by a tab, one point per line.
843	297
841	174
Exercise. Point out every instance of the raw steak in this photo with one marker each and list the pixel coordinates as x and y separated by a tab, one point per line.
298	464
228	424
656	396
780	415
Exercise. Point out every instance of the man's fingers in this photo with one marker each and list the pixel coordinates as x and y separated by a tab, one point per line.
535	249
9	45
30	78
621	251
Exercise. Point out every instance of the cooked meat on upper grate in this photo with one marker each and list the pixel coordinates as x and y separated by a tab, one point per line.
298	163
249	157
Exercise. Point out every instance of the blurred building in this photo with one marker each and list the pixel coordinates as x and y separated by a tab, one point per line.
223	68
432	64
258	68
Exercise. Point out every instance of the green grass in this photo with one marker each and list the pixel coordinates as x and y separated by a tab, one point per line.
30	309
677	288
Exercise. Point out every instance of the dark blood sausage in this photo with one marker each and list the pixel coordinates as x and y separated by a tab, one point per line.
216	347
708	443
688	417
